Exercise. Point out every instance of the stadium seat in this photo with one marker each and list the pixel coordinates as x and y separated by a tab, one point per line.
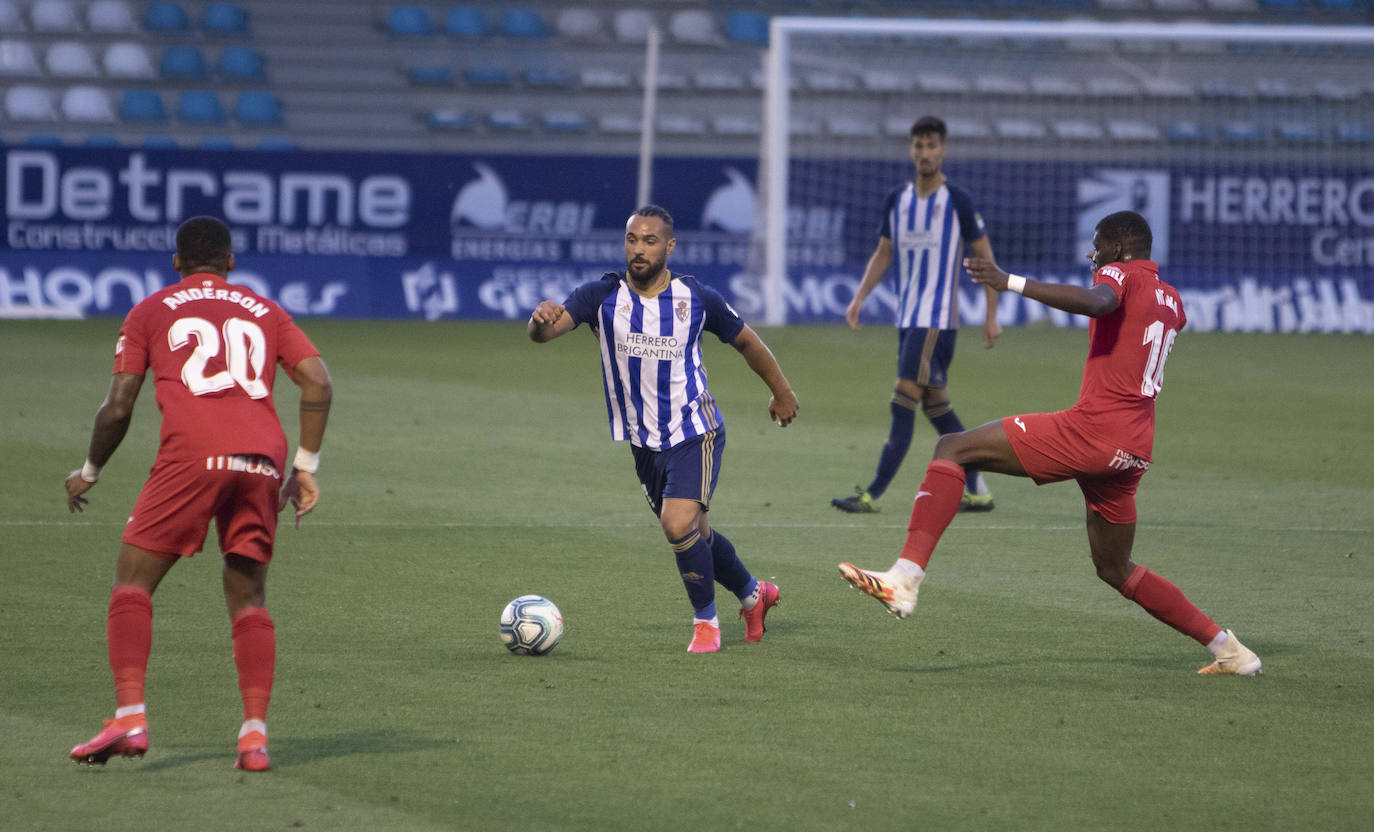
747	27
718	79
216	143
828	81
111	17
632	25
885	81
17	59
1276	89
1051	86
548	78
694	27
960	128
1171	89
166	18
1007	85
564	121
508	121
488	77
523	23
54	16
1329	90
579	25
199	107
142	107
1188	131
466	22
1022	129
939	83
182	63
101	140
1109	87
430	76
735	125
668	80
1298	132
87	104
257	109
604	78
450	120
1078	130
159	141
850	127
620	124
1242	131
224	20
1353	133
680	124
409	22
1122	130
28	103
43	140
10	18
1217	88
805	126
241	63
128	60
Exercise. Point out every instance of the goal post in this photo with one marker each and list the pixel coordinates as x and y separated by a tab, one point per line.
1248	147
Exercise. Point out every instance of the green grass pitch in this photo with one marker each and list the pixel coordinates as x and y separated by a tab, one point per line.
465	465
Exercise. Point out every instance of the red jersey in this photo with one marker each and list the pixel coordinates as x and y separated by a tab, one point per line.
1126	354
213	348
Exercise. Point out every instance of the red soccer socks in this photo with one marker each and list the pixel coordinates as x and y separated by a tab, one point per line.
1165	601
129	638
936	504
255	655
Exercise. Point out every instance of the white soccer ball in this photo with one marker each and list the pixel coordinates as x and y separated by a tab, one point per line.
531	625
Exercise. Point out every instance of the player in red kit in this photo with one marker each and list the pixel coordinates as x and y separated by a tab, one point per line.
212	348
1103	442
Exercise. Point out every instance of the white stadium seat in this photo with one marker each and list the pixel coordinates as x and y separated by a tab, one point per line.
618	123
17	59
27	103
885	80
1078	130
579	24
128	60
632	25
1000	85
678	124
604	78
54	16
1020	128
10	18
111	16
735	125
69	59
717	79
966	128
694	27
850	127
1132	131
87	104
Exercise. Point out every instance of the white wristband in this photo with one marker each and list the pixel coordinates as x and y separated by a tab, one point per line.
90	473
307	461
1016	283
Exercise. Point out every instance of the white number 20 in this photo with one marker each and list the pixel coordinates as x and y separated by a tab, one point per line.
245	348
1161	343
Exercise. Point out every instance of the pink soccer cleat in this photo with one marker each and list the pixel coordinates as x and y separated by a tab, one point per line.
753	619
253	753
705	638
126	737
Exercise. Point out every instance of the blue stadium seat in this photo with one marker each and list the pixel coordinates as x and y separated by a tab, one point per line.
487	76
142	107
564	121
508	121
164	18
1297	132
181	63
747	27
1353	133
1242	131
430	75
199	107
43	140
467	22
523	23
224	20
257	109
450	120
409	22
548	78
101	140
216	143
1187	131
276	143
242	63
160	141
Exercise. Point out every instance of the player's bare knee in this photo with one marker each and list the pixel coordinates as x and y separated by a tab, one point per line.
953	447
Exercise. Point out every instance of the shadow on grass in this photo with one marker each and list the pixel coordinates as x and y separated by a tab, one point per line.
293	751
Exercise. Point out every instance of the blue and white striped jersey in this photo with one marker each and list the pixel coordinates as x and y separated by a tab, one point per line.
655	382
927	236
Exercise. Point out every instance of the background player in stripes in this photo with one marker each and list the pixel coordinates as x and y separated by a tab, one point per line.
1103	442
650	323
925	225
212	347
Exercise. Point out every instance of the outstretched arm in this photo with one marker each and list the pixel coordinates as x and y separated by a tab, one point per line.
982	250
873	274
782	405
548	321
1095	302
317	394
111	423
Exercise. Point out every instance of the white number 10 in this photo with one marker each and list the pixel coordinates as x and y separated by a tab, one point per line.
1161	343
244	345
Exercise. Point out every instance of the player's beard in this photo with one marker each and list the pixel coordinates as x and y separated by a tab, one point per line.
645	275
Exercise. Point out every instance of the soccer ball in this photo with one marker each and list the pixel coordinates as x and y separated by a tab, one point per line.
531	625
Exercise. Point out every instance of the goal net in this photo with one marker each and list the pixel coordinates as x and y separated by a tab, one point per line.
1249	148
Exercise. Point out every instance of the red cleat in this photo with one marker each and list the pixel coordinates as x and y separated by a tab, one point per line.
753	619
127	737
253	753
705	638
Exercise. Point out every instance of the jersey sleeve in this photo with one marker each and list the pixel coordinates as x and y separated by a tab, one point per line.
721	317
1113	276
583	302
971	225
293	346
889	204
131	350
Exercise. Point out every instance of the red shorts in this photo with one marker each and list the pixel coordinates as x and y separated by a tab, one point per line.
173	512
1054	447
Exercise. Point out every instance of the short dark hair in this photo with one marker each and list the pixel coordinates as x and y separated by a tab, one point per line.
204	242
1130	230
657	212
929	126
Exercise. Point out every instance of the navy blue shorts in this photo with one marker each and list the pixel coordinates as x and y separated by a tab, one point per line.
685	471
924	355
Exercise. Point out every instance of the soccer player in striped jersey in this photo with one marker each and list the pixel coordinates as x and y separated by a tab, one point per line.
650	323
1103	442
926	223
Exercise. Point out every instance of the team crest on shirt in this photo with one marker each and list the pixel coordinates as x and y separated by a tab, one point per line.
625	308
683	310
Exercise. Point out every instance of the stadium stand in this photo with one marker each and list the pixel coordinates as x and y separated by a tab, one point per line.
569	77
